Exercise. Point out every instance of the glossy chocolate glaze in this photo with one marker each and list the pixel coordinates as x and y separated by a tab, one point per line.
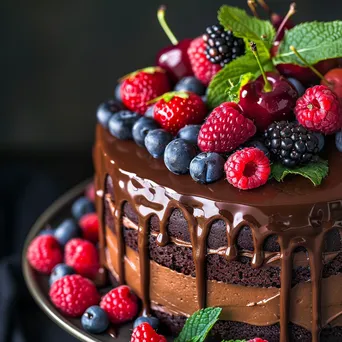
296	211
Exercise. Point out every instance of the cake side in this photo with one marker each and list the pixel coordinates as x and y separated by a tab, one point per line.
302	224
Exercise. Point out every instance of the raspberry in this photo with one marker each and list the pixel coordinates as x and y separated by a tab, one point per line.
175	110
201	66
142	86
82	256
222	46
319	110
121	304
225	129
73	295
44	253
89	224
257	339
145	333
248	168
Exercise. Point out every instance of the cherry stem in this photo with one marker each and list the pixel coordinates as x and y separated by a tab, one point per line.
252	7
264	5
267	85
312	68
290	13
165	26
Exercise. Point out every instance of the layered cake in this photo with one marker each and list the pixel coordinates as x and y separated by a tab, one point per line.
229	197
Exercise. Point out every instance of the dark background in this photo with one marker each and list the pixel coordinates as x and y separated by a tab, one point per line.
59	60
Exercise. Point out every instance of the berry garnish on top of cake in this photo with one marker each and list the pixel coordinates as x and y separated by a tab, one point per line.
245	83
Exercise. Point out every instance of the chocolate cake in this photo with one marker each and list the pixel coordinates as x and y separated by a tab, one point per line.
182	246
218	180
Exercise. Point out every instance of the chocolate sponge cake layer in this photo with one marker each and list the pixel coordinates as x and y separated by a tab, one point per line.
228	330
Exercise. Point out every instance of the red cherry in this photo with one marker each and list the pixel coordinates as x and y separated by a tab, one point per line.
269	98
304	74
264	107
174	58
334	78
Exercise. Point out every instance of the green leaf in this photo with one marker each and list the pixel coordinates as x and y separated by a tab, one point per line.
167	97
217	92
315	41
245	26
233	93
315	172
234	341
198	325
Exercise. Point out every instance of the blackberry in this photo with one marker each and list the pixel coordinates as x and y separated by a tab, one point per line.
291	144
222	46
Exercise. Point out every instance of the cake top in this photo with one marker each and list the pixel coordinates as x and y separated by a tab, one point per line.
249	102
140	165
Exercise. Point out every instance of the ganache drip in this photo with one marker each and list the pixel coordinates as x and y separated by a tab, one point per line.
149	200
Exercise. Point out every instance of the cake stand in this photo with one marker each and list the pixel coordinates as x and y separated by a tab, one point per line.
38	285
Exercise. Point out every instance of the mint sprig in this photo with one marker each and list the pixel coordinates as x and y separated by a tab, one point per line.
245	26
315	41
234	341
315	172
218	87
198	325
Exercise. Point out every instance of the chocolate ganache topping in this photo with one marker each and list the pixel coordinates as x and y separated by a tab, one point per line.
299	214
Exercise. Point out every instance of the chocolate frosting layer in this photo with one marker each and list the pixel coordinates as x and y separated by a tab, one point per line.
299	214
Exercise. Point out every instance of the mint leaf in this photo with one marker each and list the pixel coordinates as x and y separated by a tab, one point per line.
233	93
198	325
315	41
315	172
217	92
245	26
234	341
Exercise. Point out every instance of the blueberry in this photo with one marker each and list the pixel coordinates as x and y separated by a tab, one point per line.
178	155
149	112
106	110
260	145
207	167
141	128
338	140
189	133
66	231
321	140
190	83
60	271
156	142
95	320
117	92
204	98
152	321
82	206
299	87
120	125
47	231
